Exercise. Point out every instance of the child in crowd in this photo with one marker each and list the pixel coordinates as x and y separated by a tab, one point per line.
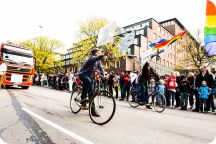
151	86
204	92
161	87
184	92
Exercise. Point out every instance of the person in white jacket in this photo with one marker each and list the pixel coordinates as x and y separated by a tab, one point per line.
71	80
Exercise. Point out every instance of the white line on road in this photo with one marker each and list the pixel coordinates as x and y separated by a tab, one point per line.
1	141
81	139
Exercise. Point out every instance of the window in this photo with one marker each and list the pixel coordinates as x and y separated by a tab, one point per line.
159	37
166	34
154	36
167	64
164	62
117	64
140	25
130	50
163	32
171	55
159	29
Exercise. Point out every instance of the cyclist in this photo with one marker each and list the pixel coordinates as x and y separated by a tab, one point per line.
87	76
143	80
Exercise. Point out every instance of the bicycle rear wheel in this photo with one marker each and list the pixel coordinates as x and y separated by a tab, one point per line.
132	100
75	99
103	104
159	102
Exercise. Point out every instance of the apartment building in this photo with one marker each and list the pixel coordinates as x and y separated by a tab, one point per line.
146	32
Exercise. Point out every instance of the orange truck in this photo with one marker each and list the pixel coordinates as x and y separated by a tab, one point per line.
20	65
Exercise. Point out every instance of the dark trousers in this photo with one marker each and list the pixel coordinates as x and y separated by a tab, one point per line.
87	86
210	103
121	88
172	97
197	100
126	88
203	102
116	90
141	93
111	88
177	98
191	101
184	100
167	98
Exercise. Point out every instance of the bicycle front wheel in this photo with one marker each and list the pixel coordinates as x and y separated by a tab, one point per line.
103	104
159	102
75	99
132	100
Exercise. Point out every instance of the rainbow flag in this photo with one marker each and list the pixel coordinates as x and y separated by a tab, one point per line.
210	29
163	42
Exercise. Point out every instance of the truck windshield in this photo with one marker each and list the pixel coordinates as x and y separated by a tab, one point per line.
18	59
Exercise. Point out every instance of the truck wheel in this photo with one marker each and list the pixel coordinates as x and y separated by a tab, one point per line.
25	87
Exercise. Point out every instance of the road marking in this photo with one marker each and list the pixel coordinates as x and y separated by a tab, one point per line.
214	141
1	141
81	139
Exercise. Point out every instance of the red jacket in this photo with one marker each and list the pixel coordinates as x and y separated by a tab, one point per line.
126	79
171	83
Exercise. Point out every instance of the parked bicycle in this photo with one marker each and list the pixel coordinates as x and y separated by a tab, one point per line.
158	100
102	101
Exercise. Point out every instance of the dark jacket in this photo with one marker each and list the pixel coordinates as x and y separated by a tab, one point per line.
207	77
145	76
110	80
184	86
91	65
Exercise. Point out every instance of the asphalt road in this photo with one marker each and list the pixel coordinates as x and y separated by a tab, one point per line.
42	116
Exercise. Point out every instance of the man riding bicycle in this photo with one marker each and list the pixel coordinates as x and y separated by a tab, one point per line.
87	76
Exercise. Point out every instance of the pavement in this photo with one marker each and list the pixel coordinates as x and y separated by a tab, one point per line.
42	116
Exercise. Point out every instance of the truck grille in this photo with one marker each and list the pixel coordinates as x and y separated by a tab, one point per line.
25	77
18	69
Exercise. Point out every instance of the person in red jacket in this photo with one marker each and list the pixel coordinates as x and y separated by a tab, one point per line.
126	85
171	87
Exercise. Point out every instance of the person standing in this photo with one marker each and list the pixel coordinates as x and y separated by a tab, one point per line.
121	82
110	82
184	91
126	86
116	84
171	85
203	76
177	94
204	92
71	80
191	78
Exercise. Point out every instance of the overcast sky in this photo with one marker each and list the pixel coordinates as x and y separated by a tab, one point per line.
20	19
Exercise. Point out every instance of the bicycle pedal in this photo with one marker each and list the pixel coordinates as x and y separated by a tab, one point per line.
84	108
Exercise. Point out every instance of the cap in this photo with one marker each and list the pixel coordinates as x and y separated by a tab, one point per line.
95	50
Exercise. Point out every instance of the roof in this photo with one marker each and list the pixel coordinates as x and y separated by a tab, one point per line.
176	20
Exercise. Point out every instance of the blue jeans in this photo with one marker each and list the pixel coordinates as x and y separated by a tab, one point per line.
184	100
172	97
87	86
126	88
140	92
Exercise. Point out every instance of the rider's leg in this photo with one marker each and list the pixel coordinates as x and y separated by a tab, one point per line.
85	86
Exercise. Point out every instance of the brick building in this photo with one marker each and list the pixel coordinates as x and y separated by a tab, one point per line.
147	32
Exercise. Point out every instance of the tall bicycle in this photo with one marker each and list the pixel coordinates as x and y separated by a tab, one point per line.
102	101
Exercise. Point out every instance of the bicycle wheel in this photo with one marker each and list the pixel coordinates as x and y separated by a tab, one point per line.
103	104
132	100
75	98
159	102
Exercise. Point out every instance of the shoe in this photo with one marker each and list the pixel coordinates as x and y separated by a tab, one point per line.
83	101
148	107
213	110
201	111
141	103
95	114
181	109
205	112
121	99
195	110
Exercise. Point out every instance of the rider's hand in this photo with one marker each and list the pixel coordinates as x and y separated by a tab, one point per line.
105	53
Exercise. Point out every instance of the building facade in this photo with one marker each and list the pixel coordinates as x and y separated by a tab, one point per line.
146	32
